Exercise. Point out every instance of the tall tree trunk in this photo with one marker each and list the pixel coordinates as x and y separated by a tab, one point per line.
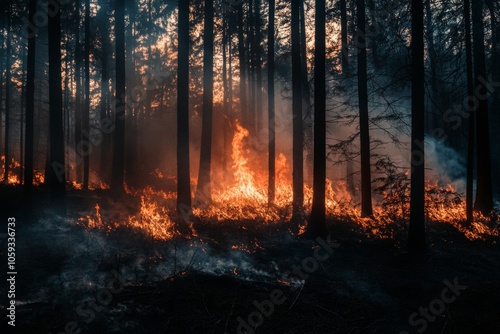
495	101
306	95
133	110
78	99
86	112
351	187
230	72
22	112
484	192
225	102
104	93
376	36
364	127
471	135
251	67
67	96
416	233
298	132
7	96
242	65
435	95
258	67
118	167
317	222
343	33
271	192
57	163
224	67
203	190
30	108
183	178
2	49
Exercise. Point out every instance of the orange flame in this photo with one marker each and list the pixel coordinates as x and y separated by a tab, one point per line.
243	196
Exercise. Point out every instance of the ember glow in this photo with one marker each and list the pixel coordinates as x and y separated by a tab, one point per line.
15	170
244	198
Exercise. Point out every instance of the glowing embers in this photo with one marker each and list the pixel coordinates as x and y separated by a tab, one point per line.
14	167
92	186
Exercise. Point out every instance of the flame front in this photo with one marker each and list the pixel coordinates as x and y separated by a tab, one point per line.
243	197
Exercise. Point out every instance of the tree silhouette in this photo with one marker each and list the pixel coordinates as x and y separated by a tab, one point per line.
271	192
118	166
364	128
317	224
30	107
416	233
183	179
57	164
203	190
298	131
484	192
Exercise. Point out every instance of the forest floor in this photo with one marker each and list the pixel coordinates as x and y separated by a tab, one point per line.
232	276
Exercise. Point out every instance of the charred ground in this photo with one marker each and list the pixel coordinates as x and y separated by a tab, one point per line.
202	283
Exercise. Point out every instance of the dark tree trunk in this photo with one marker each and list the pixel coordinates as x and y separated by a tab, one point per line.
230	73
351	187
258	67
2	49
435	96
242	65
343	33
203	190
376	36
495	101
416	233
104	93
118	167
224	66
225	85
30	108
298	132
66	98
86	112
306	95
317	223
471	135
183	178
133	110
364	128
251	67
484	191
271	193
78	98
22	112
7	97
57	163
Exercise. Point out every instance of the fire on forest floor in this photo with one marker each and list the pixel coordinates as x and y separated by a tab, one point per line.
242	197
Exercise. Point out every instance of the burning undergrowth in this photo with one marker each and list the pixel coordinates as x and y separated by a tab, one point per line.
238	206
15	173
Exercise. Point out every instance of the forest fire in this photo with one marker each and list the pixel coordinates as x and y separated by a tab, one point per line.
253	166
92	185
15	170
245	198
152	218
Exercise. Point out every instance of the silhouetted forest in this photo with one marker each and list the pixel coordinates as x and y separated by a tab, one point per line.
165	164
